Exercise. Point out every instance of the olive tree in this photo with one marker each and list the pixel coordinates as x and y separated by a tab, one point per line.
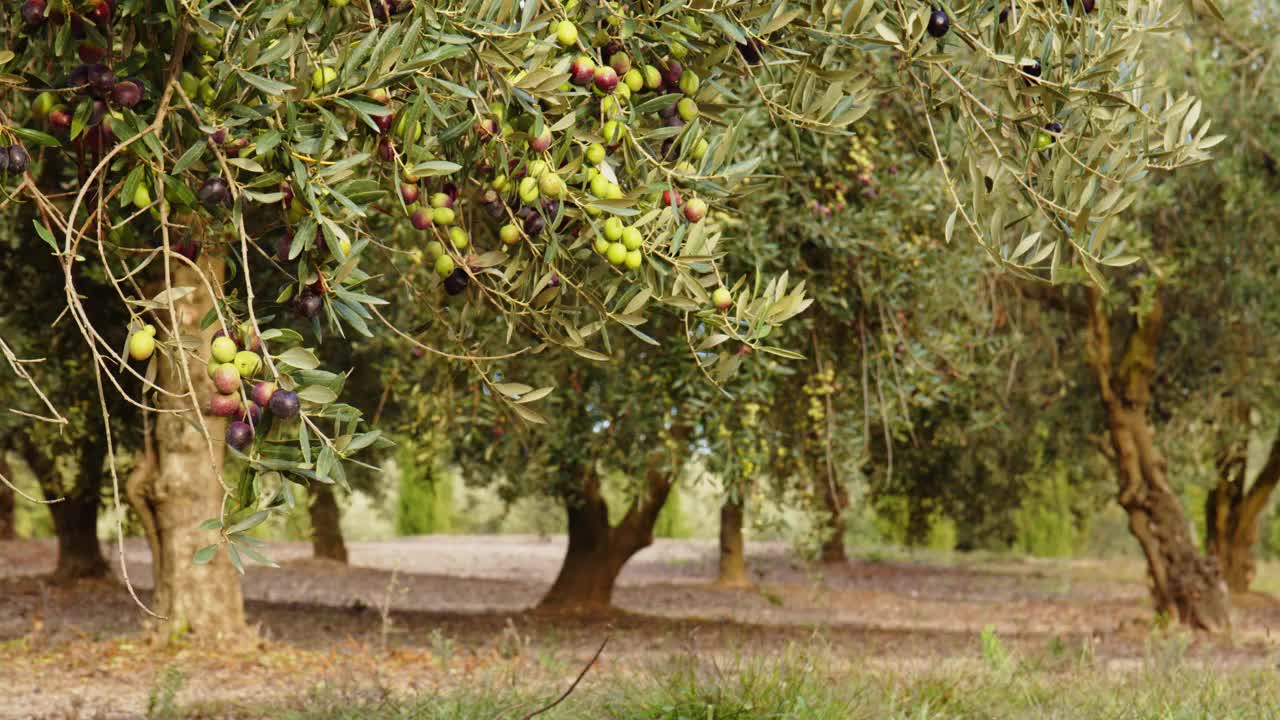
227	168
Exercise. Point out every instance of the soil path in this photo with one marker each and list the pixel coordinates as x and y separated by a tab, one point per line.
464	599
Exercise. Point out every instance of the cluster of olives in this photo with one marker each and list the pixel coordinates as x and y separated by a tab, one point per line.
940	23
92	81
231	365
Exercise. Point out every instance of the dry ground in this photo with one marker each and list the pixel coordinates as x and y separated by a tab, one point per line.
458	605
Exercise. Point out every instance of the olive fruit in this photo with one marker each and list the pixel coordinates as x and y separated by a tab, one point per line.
617	253
1032	70
689	83
652	77
528	190
225	405
239	435
687	109
671	198
226	378
247	363
262	393
456	282
223	349
671	74
939	23
613	132
1043	140
421	218
214	191
751	51
322	76
442	216
33	12
582	70
284	404
631	238
509	234
18	159
552	186
459	238
409	193
721	299
542	142
566	34
634	80
444	266
308	304
606	79
695	210
613	229
634	259
126	93
142	344
595	153
534	225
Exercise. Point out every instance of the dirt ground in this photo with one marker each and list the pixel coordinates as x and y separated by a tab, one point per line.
416	613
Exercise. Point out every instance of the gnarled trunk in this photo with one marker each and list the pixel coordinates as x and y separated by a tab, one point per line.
733	561
177	484
835	500
326	530
1184	584
597	550
8	509
75	509
1232	511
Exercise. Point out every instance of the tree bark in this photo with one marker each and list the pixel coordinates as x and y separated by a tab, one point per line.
733	561
598	551
177	483
1232	512
74	510
1184	584
75	520
835	500
8	503
326	530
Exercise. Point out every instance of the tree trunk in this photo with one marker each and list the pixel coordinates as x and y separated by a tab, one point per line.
1232	513
1184	584
835	500
8	503
75	520
326	531
733	561
74	510
177	484
598	551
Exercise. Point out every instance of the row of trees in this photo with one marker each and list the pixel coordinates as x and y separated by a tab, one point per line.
415	217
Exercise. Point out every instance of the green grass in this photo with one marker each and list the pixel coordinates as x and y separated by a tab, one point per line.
801	685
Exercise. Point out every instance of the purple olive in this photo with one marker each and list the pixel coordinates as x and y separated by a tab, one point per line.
214	191
308	304
18	159
456	282
126	94
284	404
239	435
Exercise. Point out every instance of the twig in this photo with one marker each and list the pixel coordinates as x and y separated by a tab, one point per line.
572	687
